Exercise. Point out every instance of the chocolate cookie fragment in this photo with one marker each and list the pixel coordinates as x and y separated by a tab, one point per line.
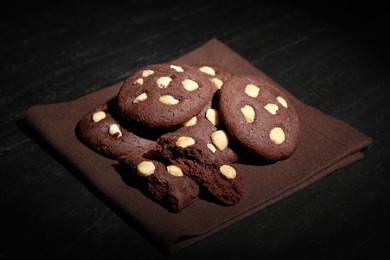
101	132
164	183
198	159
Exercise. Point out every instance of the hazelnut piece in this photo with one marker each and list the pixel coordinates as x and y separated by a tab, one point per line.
146	73
282	101
208	70
139	81
184	141
168	100
217	83
213	116
212	147
272	108
220	139
114	130
190	85
228	171
249	113
145	168
177	68
97	116
174	170
252	90
277	135
190	122
140	98
163	82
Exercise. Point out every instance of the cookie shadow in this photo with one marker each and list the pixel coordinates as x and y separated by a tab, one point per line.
131	179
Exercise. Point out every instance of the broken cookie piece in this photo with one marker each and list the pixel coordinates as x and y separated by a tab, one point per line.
139	157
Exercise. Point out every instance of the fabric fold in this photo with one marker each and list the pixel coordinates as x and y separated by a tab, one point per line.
327	144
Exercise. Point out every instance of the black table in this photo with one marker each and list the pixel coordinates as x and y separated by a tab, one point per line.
332	55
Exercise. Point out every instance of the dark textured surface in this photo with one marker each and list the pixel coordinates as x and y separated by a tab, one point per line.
331	55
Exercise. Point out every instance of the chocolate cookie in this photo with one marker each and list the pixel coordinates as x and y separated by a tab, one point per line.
202	157
101	132
259	117
208	127
163	95
164	183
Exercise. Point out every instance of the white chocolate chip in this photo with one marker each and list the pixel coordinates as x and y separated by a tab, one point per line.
141	97
208	70
139	81
114	130
97	116
252	90
282	101
228	171
146	73
249	113
272	108
212	147
277	135
220	139
177	68
217	83
163	82
184	141
190	85
190	122
145	168
168	100
213	116
174	170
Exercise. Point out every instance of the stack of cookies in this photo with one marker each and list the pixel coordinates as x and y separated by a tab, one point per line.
178	129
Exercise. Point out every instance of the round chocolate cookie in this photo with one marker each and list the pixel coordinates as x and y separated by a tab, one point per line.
259	117
163	95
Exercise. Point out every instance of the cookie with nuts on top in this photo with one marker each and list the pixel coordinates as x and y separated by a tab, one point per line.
259	117
101	132
166	184
216	177
163	95
208	127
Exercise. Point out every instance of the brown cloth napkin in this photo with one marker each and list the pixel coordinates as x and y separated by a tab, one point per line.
326	144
